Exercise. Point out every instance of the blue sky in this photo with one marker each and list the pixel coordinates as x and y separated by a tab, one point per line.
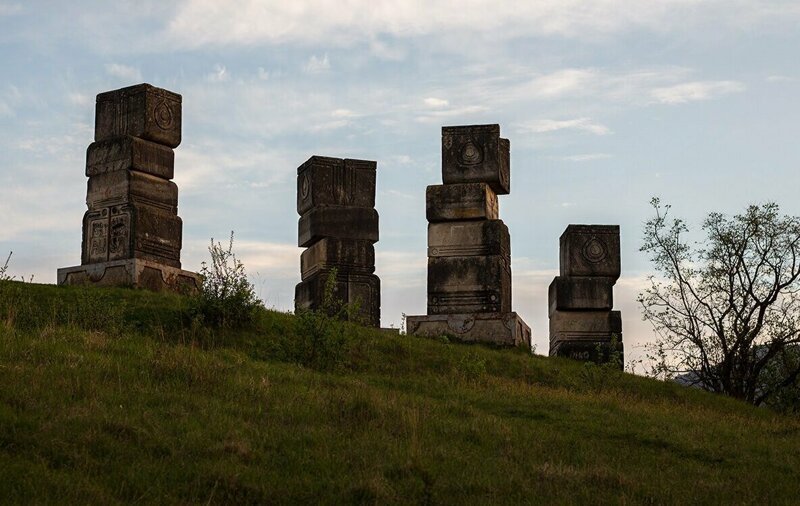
606	104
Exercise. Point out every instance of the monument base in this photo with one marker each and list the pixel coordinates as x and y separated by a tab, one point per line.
505	329
132	272
599	352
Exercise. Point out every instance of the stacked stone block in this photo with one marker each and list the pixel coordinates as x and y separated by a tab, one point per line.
582	323
132	233
339	227
469	247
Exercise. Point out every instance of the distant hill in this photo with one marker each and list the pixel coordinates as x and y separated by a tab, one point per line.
115	396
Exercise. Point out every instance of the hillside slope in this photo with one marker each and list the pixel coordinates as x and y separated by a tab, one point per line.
112	396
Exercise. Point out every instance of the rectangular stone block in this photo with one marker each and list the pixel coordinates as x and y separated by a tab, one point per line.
347	255
502	329
361	291
469	238
476	154
590	250
465	201
126	231
127	186
134	272
130	153
340	222
324	181
141	111
577	293
599	352
585	325
476	284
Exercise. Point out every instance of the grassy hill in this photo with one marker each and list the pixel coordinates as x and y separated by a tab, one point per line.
113	396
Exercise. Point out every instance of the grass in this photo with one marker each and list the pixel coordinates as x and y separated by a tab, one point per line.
111	396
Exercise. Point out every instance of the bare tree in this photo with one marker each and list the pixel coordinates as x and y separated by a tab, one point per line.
726	310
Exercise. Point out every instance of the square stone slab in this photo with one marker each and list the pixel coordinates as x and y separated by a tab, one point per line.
579	293
341	222
502	329
126	186
347	255
468	238
324	181
131	231
130	153
465	201
585	325
476	154
133	272
362	291
142	111
475	284
590	250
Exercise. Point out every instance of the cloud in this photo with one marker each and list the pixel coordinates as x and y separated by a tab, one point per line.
219	75
317	65
549	125
780	79
436	103
123	72
9	9
585	158
80	99
697	90
263	74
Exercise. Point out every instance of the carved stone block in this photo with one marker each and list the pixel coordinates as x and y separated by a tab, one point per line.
585	325
503	329
122	187
475	284
341	222
324	181
476	154
347	255
130	153
361	291
469	238
131	231
588	351
465	201
133	272
590	250
580	293
141	111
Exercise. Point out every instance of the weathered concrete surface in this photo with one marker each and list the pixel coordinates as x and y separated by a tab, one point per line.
476	154
142	111
347	255
590	250
126	186
361	291
341	222
325	181
469	284
133	272
469	238
585	326
504	329
581	293
466	201
130	153
588	351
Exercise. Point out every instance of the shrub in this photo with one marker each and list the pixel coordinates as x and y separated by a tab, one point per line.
227	298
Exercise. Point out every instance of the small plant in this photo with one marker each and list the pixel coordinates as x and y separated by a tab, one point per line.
471	367
4	269
227	298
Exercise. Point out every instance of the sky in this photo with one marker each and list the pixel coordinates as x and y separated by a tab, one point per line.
606	103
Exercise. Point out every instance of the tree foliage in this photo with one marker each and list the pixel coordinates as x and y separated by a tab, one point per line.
726	310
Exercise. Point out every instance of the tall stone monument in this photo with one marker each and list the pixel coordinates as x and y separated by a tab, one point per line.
339	227
582	324
131	230
469	247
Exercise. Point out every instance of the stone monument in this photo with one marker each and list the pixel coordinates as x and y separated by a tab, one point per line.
339	227
582	324
469	247
131	230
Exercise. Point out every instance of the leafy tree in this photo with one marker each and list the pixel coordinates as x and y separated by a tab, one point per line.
726	310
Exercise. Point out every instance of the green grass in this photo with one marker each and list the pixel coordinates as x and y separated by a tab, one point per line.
110	396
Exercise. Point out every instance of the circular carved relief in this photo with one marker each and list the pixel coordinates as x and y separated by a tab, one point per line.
594	251
305	186
448	142
471	154
163	115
